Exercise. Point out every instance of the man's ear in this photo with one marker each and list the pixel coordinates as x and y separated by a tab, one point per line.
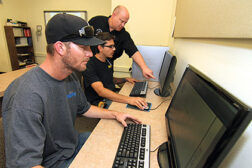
100	48
60	48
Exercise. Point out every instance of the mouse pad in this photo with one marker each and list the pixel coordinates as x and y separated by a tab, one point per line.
136	108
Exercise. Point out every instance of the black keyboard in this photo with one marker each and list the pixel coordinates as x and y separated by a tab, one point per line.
134	148
139	89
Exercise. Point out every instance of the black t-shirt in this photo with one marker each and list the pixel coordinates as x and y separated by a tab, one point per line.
123	41
97	71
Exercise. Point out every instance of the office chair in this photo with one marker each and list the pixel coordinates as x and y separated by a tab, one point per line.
2	150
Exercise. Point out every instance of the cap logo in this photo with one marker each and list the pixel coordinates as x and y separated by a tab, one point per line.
82	31
86	31
98	31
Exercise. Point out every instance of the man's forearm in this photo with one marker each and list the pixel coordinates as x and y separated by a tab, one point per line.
147	72
96	112
109	94
106	93
138	58
38	166
119	80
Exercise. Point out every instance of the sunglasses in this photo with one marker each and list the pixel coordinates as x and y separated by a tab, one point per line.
86	32
109	46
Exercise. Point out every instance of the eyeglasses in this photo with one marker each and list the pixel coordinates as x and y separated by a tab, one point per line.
86	32
109	46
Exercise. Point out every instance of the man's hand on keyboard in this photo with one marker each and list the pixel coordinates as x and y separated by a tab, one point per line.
138	101
122	117
131	80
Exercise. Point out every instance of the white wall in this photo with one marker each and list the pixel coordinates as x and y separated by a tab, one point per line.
228	63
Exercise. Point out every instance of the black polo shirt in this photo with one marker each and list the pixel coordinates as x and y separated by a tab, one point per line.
97	71
123	41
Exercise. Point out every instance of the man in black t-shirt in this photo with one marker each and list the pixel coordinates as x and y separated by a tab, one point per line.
98	78
114	24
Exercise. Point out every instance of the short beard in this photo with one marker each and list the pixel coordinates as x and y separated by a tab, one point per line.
68	66
67	59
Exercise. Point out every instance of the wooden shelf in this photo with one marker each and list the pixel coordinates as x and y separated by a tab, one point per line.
24	54
19	41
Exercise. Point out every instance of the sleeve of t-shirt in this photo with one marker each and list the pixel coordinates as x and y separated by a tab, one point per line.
89	75
129	45
98	23
83	105
93	23
26	134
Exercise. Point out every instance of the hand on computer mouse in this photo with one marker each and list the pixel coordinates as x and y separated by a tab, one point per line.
146	107
138	102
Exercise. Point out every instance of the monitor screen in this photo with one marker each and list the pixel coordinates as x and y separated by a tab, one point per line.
203	122
166	75
153	57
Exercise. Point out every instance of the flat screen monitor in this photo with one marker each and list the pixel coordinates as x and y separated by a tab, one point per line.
153	57
203	123
166	75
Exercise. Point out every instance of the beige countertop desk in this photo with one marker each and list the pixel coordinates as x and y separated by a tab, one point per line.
100	148
8	77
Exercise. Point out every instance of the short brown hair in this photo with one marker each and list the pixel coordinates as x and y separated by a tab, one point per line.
50	47
105	36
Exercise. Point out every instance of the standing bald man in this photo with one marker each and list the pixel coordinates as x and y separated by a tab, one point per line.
114	24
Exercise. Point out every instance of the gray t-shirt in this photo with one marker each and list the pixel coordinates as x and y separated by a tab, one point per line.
39	114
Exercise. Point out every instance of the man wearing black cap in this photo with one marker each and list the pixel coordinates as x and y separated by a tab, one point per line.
39	108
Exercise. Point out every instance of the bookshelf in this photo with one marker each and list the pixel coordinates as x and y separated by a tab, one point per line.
19	41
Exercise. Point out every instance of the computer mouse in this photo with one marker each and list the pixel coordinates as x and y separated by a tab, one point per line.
146	108
136	108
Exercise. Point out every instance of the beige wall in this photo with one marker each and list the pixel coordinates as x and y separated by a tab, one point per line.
8	9
150	23
32	12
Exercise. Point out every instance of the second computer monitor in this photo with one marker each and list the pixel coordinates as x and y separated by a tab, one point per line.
166	75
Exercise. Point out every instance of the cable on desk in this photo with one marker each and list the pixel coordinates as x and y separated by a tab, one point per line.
160	104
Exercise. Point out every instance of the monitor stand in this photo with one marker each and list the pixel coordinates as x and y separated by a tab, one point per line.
157	92
163	156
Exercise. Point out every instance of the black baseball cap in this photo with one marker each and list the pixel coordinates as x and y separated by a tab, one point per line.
66	28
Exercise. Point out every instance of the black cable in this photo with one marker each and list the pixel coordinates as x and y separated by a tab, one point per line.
160	104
